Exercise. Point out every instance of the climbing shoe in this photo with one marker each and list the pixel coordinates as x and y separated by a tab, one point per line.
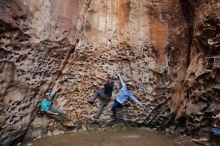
114	116
90	102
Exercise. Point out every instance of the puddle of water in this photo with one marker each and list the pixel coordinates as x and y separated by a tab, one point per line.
110	137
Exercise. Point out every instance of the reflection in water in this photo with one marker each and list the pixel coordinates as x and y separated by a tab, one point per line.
119	137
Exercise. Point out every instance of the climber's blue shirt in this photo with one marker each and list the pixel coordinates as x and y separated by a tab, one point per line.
124	94
46	104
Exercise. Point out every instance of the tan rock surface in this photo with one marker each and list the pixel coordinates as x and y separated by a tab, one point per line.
168	50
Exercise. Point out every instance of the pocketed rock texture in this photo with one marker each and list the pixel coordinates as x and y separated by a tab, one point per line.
168	50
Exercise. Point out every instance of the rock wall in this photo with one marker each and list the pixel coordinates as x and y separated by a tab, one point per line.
168	50
202	78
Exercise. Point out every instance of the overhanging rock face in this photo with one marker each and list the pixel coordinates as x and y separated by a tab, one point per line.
168	50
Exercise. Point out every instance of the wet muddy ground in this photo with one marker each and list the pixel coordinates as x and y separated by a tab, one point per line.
114	137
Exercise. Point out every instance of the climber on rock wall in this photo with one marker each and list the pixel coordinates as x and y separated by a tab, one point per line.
104	96
50	110
123	95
